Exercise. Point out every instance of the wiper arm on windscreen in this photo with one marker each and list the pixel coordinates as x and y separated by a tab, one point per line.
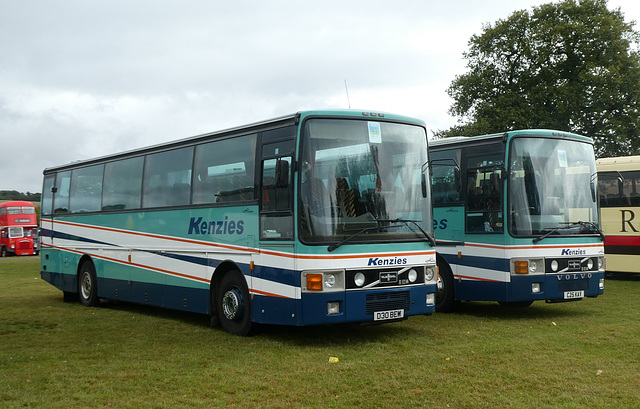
431	240
593	226
341	242
547	234
569	225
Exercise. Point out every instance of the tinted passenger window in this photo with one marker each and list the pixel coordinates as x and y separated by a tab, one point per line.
47	195
224	170
167	178
122	184
86	189
484	181
445	183
61	196
619	189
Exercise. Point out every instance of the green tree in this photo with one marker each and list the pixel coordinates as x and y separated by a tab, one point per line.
571	66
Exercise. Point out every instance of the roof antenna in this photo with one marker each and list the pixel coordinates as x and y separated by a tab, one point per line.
347	89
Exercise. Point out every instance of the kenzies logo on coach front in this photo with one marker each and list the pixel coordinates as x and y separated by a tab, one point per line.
392	261
573	252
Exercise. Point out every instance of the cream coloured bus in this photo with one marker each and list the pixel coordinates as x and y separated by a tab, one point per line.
619	191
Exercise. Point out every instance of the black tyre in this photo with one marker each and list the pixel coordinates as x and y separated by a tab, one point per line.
445	291
88	285
234	305
3	252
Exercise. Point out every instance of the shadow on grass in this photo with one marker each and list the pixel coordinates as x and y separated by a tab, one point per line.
315	335
615	276
538	310
339	334
190	318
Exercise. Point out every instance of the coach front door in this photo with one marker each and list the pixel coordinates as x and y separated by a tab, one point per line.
276	277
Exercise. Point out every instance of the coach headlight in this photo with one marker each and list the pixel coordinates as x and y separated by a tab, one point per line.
359	279
533	266
430	273
329	280
412	275
590	264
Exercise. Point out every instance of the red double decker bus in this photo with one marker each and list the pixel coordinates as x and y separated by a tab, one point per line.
17	227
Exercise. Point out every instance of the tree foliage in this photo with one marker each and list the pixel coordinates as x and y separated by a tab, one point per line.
571	66
15	195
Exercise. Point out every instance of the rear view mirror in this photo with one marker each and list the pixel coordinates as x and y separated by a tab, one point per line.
423	183
282	173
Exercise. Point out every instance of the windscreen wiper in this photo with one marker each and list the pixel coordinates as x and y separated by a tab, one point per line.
431	240
547	234
582	224
592	226
341	242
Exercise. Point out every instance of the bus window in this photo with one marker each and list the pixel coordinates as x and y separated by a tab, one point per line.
276	215
122	184
224	170
484	213
61	197
445	176
86	189
618	189
47	195
167	178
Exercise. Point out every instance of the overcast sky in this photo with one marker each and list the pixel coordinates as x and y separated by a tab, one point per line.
87	78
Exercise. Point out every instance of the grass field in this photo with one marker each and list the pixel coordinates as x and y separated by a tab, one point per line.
62	355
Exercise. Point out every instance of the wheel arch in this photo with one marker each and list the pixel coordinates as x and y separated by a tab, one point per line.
220	271
85	258
92	296
442	262
446	291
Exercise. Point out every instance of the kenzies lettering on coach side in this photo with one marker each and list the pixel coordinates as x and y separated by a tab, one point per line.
198	226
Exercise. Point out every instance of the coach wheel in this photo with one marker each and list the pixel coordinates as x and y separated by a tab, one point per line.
445	291
88	285
233	304
3	252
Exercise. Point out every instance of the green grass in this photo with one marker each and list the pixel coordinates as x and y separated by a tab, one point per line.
62	355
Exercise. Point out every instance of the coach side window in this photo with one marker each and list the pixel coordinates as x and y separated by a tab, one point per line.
484	200
445	177
61	193
47	195
122	184
86	189
167	178
224	171
619	189
276	215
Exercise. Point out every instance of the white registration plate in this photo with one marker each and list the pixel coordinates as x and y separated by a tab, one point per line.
388	315
570	295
